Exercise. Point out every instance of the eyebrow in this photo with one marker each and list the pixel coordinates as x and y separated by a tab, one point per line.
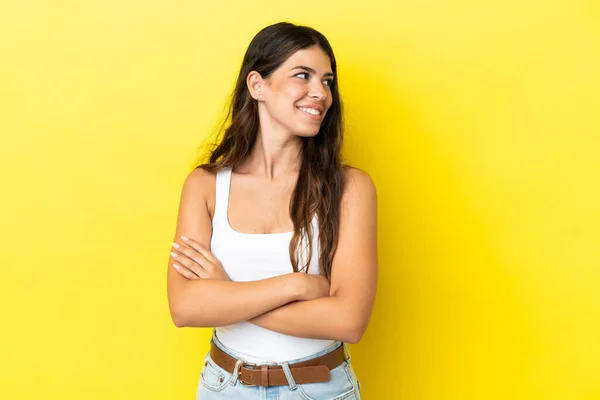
310	70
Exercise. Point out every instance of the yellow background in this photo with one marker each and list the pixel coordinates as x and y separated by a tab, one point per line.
478	121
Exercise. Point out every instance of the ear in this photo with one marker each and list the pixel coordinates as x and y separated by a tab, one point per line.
255	83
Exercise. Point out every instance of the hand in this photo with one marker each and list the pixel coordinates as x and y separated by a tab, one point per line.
194	261
314	286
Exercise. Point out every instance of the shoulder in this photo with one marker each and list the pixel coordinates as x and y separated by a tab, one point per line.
200	176
359	198
200	180
358	183
199	186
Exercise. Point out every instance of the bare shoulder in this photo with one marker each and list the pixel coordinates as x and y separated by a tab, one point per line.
199	186
200	178
359	184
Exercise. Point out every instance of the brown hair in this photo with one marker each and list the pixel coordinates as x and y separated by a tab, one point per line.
320	183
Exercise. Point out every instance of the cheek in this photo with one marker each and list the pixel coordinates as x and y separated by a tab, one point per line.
296	92
288	96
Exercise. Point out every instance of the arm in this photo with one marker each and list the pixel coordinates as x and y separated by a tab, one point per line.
345	313
208	303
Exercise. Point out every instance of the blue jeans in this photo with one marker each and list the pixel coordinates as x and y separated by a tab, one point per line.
216	383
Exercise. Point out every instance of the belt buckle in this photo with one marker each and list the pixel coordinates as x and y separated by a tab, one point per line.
240	373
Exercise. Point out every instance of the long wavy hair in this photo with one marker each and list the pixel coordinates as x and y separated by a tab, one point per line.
320	182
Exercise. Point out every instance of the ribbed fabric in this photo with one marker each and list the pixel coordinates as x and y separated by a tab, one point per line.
250	257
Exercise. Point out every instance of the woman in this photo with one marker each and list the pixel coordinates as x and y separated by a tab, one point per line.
275	244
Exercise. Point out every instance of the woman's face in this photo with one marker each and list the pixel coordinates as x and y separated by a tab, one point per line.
297	95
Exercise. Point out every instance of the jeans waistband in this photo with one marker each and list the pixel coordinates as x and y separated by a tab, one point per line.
329	349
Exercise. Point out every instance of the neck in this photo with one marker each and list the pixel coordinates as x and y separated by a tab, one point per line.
273	156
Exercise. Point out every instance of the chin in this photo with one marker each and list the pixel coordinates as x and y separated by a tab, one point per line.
307	133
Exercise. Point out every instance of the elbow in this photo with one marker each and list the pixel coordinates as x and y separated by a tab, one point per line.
185	317
353	336
352	322
178	321
176	310
178	324
353	339
353	332
178	318
180	314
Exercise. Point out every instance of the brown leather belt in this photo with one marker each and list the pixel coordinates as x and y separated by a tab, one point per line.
309	371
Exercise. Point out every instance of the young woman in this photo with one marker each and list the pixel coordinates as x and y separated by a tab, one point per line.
275	245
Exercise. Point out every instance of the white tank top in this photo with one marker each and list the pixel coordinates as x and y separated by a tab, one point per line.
255	256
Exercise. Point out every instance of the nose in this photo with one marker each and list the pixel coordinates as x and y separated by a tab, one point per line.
317	91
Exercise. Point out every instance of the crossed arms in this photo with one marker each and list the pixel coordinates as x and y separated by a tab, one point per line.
289	303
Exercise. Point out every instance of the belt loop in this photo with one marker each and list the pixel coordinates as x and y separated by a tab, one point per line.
234	377
264	375
288	375
347	351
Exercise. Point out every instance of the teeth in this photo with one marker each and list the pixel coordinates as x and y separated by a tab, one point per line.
310	111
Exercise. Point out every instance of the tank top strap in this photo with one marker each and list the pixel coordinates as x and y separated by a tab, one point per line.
223	179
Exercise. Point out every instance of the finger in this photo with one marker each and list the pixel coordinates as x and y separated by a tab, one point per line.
183	260
200	249
193	254
185	272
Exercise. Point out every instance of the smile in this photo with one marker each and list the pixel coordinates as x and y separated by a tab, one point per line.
310	112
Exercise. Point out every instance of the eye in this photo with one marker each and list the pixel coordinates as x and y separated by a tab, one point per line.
330	81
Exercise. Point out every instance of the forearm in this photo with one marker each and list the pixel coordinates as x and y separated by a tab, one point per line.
210	303
323	318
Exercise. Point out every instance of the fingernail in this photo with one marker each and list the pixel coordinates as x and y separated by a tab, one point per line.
185	238
175	245
176	266
174	254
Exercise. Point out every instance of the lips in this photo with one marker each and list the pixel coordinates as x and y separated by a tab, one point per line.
313	106
311	116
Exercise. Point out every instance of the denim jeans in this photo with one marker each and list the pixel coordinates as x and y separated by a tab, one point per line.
216	383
